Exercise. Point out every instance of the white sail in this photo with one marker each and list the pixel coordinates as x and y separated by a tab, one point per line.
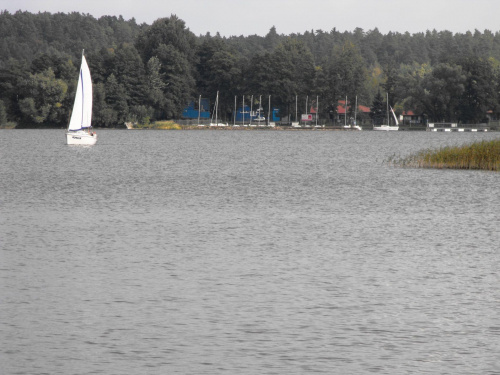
394	115
81	116
388	126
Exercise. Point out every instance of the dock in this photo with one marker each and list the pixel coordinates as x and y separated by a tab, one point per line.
452	127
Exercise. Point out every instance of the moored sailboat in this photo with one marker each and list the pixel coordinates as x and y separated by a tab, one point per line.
80	125
216	123
388	126
258	114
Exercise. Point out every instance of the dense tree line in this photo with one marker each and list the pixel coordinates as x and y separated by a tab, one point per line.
149	72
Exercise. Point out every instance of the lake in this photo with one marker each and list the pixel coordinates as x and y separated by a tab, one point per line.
245	252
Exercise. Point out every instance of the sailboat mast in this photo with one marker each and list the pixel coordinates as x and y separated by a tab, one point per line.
387	102
345	114
199	109
269	111
296	107
260	108
251	109
355	109
317	109
83	92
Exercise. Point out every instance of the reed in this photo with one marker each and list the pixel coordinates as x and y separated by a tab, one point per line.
167	125
483	155
163	125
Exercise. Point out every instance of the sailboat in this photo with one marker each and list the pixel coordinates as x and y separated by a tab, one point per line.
80	124
388	126
217	123
258	113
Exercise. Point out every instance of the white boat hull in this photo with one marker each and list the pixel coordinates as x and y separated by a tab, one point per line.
386	127
354	127
81	138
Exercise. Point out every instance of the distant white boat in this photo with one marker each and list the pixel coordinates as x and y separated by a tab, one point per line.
388	127
80	125
355	127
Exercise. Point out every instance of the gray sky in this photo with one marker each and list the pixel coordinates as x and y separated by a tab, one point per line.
248	17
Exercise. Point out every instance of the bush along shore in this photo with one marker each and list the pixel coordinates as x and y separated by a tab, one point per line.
162	125
483	155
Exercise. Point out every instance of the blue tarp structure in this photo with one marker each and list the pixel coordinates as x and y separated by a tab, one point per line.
245	114
190	112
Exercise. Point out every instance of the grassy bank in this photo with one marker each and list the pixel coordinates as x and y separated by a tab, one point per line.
483	155
163	125
8	125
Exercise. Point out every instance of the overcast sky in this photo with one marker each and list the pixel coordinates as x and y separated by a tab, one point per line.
248	17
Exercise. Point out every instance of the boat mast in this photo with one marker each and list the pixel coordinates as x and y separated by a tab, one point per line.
199	109
296	108
317	107
216	105
251	109
345	114
355	110
83	96
387	102
260	107
269	111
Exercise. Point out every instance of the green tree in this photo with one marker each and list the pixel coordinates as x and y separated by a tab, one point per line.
128	69
272	39
479	94
3	114
391	82
293	73
442	91
103	114
155	81
116	100
175	47
218	70
179	80
411	89
101	64
42	97
378	110
347	75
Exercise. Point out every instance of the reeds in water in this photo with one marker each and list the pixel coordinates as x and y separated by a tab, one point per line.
164	125
167	125
483	155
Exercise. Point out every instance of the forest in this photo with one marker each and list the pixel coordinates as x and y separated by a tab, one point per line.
143	73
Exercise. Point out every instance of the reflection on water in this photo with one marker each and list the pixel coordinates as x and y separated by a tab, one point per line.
245	252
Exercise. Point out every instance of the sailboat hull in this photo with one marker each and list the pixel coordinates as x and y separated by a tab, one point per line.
386	127
81	138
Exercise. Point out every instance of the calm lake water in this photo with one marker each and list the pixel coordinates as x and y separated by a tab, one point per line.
245	252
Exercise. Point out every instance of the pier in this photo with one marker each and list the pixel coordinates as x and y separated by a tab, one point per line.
452	127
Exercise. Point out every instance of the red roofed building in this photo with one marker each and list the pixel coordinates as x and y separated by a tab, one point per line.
410	118
362	114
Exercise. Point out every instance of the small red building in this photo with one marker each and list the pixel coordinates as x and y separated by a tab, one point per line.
362	114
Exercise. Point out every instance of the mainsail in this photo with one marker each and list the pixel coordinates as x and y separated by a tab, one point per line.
81	116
